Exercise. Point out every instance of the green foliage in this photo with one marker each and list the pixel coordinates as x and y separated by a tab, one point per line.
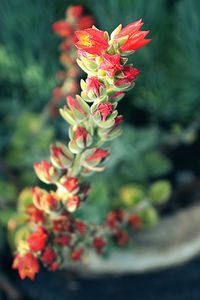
160	191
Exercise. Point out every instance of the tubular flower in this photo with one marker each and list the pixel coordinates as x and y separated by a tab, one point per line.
91	41
111	64
135	38
72	203
26	264
45	171
77	254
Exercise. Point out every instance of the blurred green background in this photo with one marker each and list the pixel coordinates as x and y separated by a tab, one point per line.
161	114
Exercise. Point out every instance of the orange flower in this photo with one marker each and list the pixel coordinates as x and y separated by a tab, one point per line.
92	41
27	265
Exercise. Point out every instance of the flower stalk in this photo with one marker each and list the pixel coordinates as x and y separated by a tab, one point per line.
94	120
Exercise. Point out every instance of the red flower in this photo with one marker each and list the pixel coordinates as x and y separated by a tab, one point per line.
65	46
51	201
92	41
111	64
129	75
98	154
80	226
75	11
74	103
54	267
99	243
121	238
62	225
105	110
43	168
135	37
135	222
27	265
118	120
81	133
57	93
85	22
114	218
71	184
48	256
76	254
93	84
35	214
62	28
63	240
72	203
37	239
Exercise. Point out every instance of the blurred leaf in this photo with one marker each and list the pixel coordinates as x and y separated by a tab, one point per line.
24	199
132	194
160	191
149	216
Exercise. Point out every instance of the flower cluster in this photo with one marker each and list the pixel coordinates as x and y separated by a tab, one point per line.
74	20
93	119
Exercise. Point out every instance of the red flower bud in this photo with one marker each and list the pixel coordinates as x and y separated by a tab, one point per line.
81	133
37	239
93	84
80	226
76	254
57	93
99	244
105	110
63	240
92	41
85	22
26	264
62	225
62	159
71	184
35	214
111	64
48	256
43	167
75	11
74	103
129	75
72	203
62	28
53	267
98	154
114	218
121	238
116	95
135	222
